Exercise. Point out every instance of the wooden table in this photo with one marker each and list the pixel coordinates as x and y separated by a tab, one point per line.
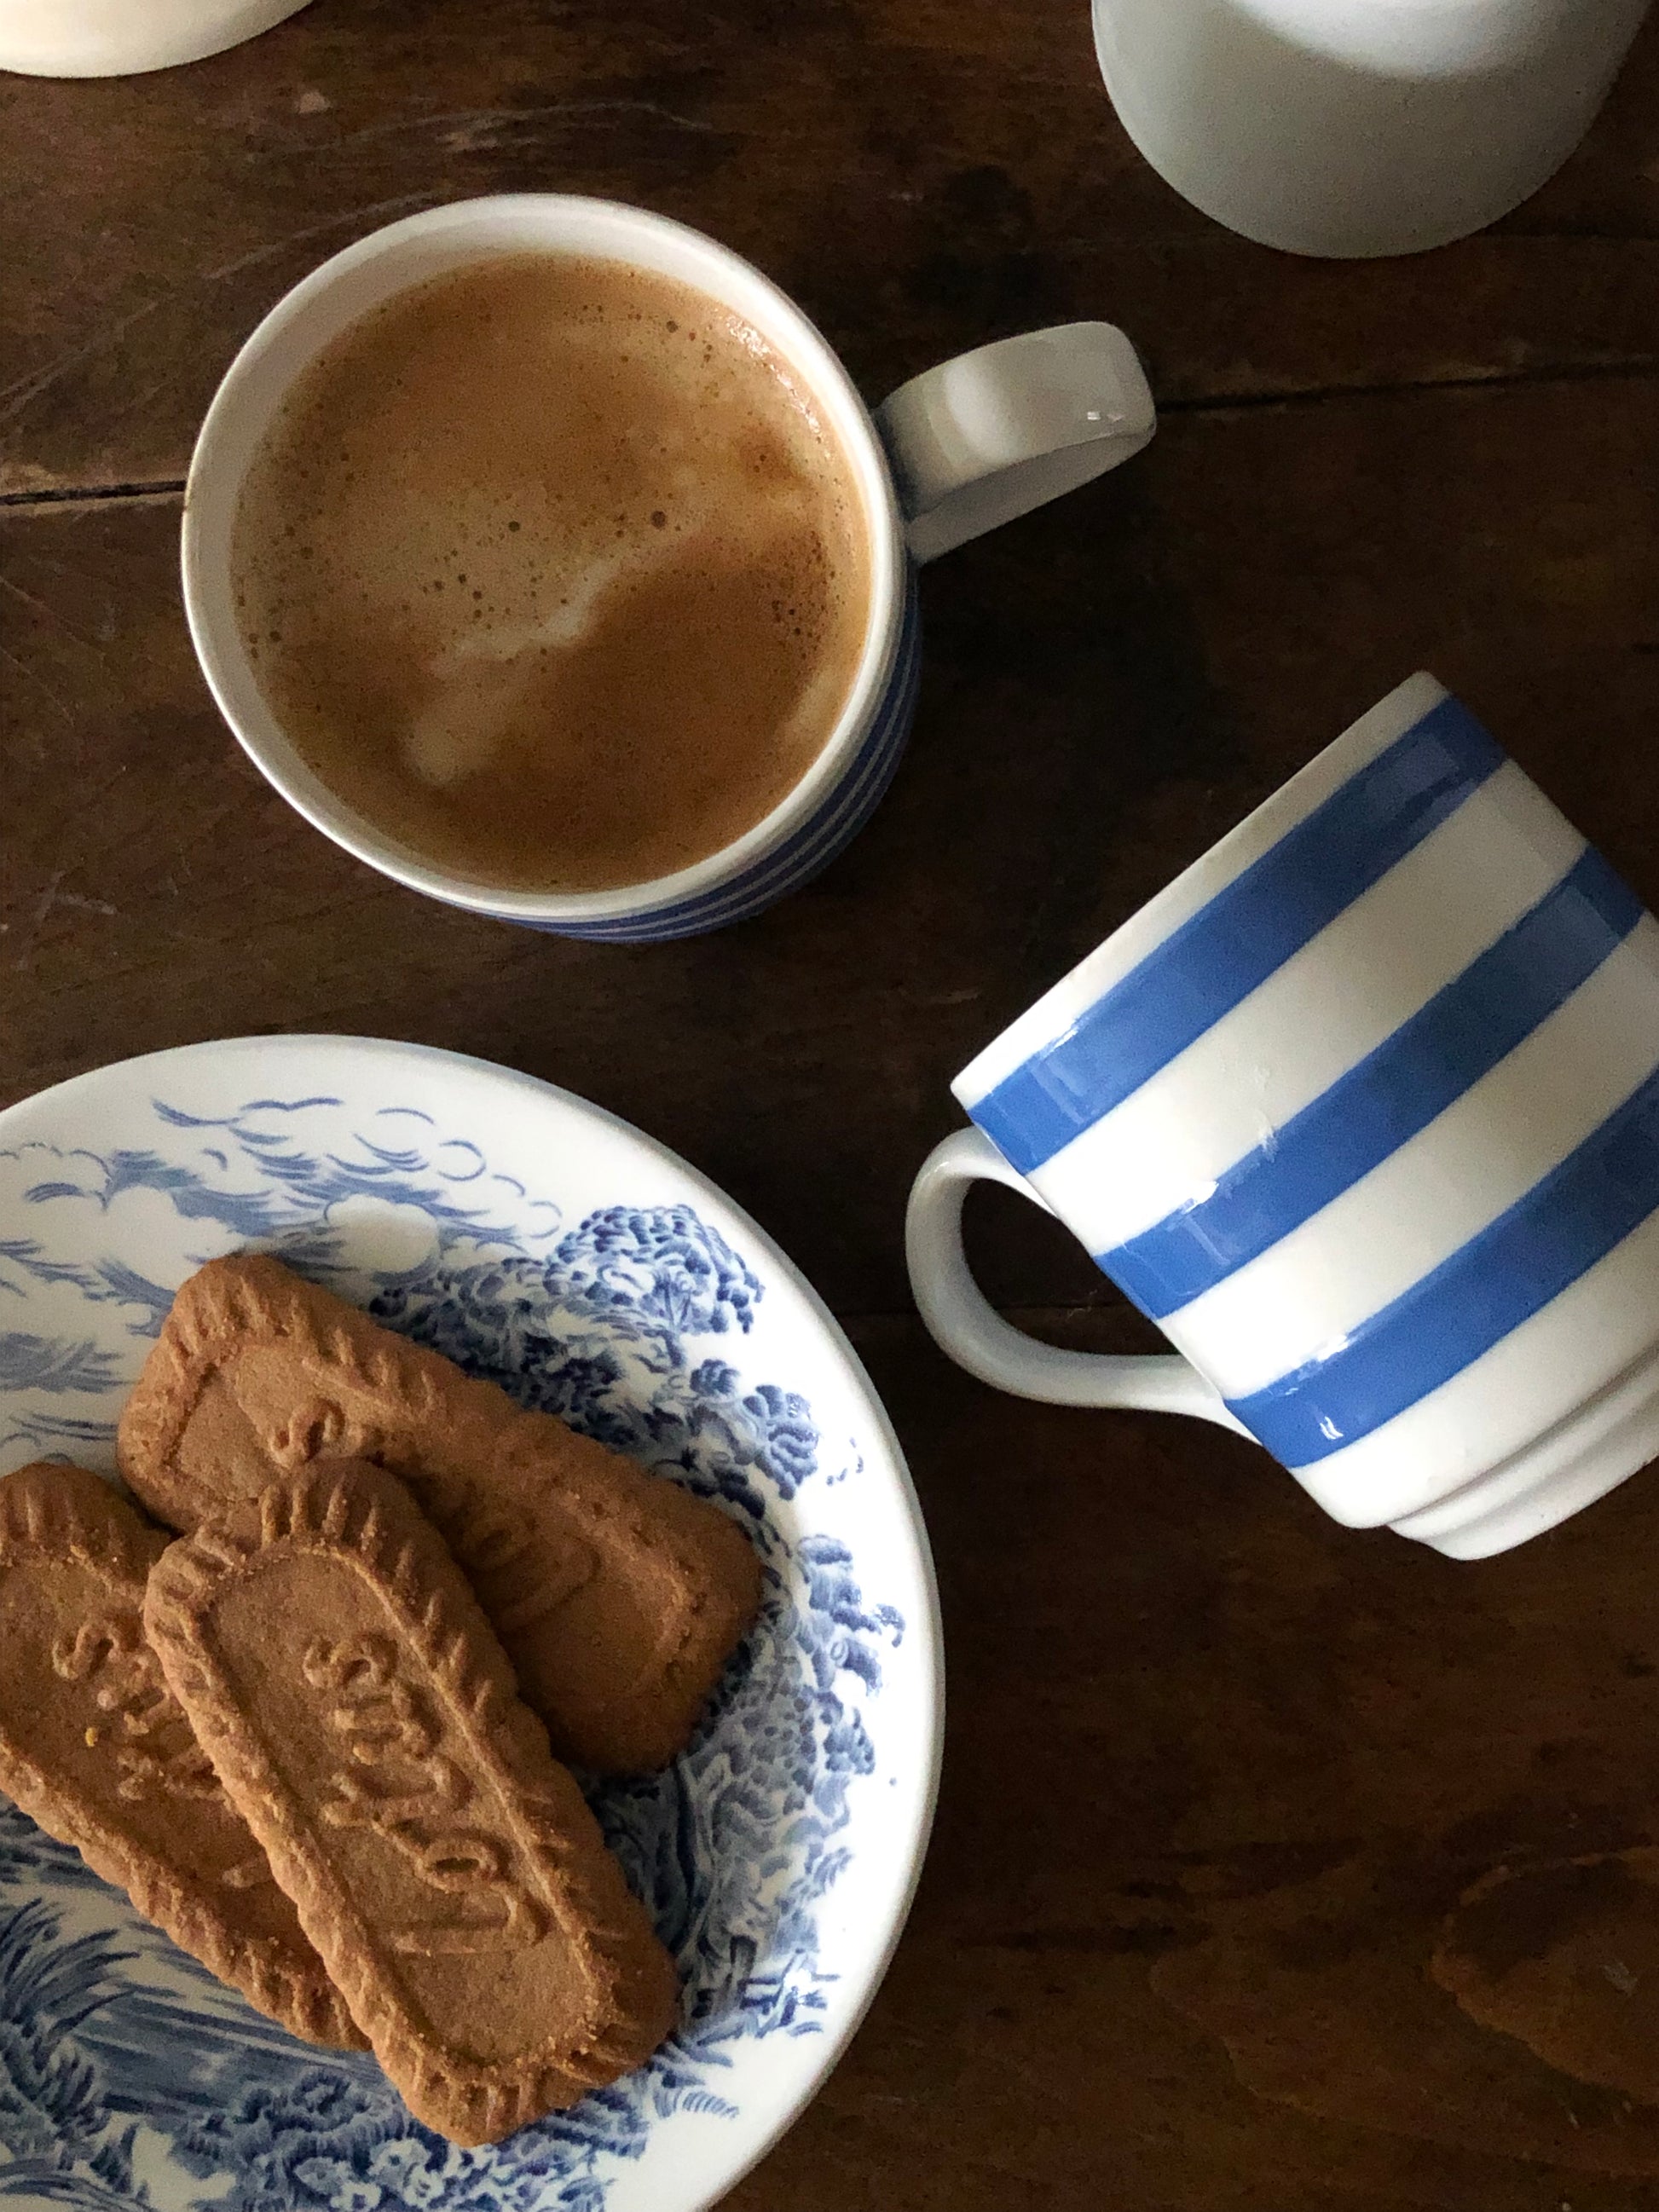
1218	1772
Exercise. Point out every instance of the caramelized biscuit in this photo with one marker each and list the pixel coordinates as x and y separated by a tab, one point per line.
619	1595
334	1661
95	1747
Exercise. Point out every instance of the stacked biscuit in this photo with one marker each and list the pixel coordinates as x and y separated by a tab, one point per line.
315	1737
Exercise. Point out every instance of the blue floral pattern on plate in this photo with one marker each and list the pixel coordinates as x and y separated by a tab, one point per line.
127	2076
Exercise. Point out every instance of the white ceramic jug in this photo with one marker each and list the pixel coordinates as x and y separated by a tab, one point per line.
119	38
1359	127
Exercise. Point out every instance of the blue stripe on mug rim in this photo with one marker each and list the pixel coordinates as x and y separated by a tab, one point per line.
1401	1086
1575	1215
1249	929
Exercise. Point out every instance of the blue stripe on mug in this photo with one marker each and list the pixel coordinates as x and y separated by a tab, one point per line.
790	866
1577	1213
1254	925
1397	1089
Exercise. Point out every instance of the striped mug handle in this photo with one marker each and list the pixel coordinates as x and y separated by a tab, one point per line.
962	1322
996	432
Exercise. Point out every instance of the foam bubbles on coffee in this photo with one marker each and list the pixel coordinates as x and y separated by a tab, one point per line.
551	570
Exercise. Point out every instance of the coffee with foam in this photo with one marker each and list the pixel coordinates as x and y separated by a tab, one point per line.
550	569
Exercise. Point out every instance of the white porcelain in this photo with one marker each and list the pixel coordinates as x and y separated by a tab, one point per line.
1359	127
123	38
1363	1111
957	450
540	1240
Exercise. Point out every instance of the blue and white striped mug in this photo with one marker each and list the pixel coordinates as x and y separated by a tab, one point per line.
955	452
1363	1111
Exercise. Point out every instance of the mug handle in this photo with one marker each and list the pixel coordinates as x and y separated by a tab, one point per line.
996	432
962	1322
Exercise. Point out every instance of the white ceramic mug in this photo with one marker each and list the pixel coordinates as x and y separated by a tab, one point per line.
123	38
1363	1110
954	452
1355	127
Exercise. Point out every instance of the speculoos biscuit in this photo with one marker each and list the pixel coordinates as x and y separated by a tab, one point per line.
619	1595
96	1749
362	1713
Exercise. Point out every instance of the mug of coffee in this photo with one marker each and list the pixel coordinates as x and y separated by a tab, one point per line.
540	551
1363	1109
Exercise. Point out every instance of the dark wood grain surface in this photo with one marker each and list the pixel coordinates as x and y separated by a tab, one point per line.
1277	1867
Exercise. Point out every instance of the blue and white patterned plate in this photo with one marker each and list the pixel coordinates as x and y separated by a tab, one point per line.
551	1247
